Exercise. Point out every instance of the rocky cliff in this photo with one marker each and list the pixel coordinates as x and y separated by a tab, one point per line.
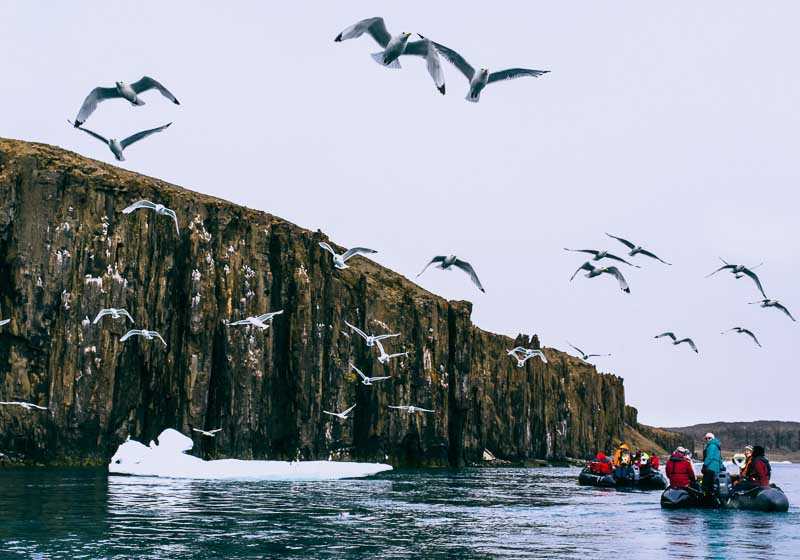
66	251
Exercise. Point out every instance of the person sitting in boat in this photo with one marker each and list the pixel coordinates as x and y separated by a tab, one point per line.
680	471
712	464
758	471
601	465
742	460
653	462
622	461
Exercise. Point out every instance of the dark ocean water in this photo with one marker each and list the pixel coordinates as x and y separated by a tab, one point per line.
470	513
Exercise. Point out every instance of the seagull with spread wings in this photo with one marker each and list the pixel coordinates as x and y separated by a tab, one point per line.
601	255
584	355
368	380
144	333
261	321
675	340
481	78
383	357
522	355
637	249
121	90
160	209
115	314
593	272
396	46
339	260
742	330
739	270
411	409
369	338
773	303
342	415
25	405
5	322
209	433
446	261
117	146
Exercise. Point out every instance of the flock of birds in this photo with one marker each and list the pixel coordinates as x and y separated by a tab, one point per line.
393	48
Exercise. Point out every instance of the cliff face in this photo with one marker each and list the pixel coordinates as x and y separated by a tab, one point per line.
66	251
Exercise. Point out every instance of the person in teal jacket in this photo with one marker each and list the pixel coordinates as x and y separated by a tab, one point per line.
712	464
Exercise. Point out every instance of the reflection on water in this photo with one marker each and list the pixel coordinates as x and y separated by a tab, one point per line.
473	513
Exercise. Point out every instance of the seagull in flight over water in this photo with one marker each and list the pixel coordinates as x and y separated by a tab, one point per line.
368	380
115	314
339	260
480	79
773	303
637	249
117	146
601	255
147	335
584	355
384	357
741	330
445	262
261	321
396	46
411	409
160	209
370	339
612	270
739	270
210	433
25	405
527	354
342	415
123	91
675	341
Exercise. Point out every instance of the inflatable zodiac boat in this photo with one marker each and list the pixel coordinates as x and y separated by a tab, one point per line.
648	479
760	498
168	459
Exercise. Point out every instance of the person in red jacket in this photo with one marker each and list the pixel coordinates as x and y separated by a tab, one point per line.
680	470
760	471
601	464
654	464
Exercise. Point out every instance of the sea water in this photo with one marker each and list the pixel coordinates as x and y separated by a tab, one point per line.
469	513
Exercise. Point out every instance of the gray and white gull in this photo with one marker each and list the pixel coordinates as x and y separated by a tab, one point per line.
742	330
739	270
676	341
601	255
410	409
115	314
773	303
481	78
144	333
611	270
339	260
117	146
160	209
5	322
209	433
342	415
121	90
25	405
446	261
370	339
383	357
261	321
637	249
584	355
368	380
522	355
395	46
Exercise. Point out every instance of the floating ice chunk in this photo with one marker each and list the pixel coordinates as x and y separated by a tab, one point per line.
168	459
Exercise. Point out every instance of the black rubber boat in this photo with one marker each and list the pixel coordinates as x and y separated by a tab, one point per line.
647	480
770	498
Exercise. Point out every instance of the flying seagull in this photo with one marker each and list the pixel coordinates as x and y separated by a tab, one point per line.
411	409
526	354
739	270
339	260
773	303
210	433
637	249
480	79
741	330
120	90
5	322
115	314
160	209
601	255
584	355
117	146
612	270
25	405
675	341
368	380
370	339
396	46
261	321
342	415
148	335
445	262
384	357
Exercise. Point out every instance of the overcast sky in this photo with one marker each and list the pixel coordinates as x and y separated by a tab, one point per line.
674	125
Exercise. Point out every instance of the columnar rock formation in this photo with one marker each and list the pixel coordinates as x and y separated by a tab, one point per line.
66	251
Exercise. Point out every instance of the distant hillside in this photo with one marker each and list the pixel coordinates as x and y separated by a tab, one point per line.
780	439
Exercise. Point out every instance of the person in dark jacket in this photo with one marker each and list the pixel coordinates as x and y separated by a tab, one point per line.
760	470
680	470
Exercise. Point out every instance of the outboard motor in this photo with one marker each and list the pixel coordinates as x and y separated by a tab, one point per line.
724	486
635	473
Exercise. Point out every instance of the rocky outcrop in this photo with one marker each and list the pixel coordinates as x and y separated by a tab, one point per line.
66	251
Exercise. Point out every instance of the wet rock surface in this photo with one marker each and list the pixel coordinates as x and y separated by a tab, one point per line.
66	251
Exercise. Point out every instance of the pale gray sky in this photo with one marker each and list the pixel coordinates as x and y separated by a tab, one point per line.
675	125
